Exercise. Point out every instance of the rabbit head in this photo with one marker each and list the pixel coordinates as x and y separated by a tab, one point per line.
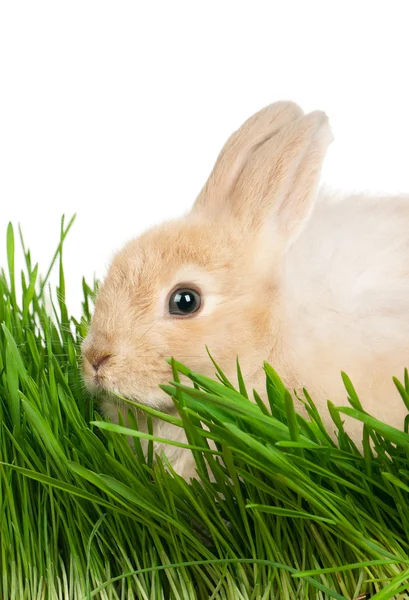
211	278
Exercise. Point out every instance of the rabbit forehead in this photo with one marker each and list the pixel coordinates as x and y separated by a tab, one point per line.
144	273
177	250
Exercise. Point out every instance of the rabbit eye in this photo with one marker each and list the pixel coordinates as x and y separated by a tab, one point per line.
184	302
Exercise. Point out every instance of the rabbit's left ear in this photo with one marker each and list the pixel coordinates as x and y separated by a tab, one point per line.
296	174
275	190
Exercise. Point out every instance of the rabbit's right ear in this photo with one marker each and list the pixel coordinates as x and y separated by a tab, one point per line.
239	147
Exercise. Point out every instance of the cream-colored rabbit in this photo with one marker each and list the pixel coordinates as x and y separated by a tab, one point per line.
263	268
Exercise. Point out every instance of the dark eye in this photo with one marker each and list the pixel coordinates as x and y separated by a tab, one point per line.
184	302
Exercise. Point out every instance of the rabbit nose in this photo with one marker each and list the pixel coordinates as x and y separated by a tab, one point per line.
101	360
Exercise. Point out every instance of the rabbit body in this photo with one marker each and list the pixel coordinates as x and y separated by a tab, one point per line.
312	282
345	299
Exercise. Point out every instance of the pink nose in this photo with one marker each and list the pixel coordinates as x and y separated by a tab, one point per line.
101	360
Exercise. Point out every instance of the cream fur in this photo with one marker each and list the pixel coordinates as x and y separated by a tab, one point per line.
313	283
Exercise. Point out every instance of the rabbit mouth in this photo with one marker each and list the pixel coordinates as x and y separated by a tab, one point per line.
109	392
102	393
114	396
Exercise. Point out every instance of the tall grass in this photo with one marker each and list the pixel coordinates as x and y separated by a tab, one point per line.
287	514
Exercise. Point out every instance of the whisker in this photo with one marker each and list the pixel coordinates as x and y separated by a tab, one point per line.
153	325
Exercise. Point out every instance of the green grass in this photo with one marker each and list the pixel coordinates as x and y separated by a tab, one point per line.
288	513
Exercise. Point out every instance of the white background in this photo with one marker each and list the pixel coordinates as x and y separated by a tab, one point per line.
117	110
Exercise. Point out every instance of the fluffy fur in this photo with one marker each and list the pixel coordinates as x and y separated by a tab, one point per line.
314	284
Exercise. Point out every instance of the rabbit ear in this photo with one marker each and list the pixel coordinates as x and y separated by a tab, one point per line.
239	147
276	187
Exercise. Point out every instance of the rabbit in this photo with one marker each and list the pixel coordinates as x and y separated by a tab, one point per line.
265	266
